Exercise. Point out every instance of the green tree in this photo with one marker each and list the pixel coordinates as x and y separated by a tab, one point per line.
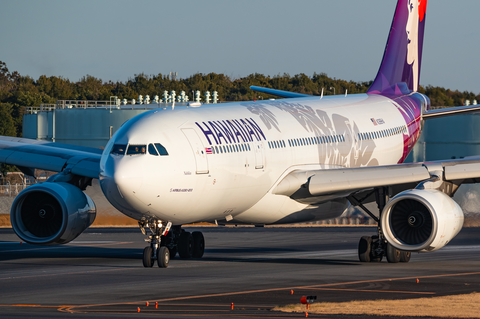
7	123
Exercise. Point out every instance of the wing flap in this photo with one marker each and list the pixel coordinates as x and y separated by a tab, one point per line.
462	171
341	180
318	185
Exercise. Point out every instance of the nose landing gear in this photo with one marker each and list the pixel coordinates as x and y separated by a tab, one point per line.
155	251
166	241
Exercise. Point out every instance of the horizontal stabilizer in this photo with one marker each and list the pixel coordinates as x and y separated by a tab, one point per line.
280	93
451	111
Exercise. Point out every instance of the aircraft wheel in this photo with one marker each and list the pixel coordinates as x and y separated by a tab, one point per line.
147	257
185	245
163	257
393	254
198	244
364	248
405	256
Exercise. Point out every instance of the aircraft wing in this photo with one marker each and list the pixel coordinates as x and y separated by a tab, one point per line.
29	154
280	93
317	185
450	111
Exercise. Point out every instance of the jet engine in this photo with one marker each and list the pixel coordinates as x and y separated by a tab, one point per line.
51	213
421	220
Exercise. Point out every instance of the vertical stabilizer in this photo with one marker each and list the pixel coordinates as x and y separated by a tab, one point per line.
400	68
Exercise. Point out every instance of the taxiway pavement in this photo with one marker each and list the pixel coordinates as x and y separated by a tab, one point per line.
100	274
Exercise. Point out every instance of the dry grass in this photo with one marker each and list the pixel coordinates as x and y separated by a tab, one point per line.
459	306
5	220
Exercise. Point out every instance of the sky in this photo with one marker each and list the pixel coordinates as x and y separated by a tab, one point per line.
116	39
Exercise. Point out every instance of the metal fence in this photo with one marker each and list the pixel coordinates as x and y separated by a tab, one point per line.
12	190
67	104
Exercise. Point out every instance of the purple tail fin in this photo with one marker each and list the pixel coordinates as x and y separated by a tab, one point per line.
400	69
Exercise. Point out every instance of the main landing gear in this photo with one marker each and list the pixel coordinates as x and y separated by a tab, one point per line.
166	241
374	248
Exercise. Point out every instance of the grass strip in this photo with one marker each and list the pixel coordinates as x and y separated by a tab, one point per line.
457	306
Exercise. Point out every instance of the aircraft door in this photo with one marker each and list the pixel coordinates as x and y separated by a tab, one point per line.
259	154
198	149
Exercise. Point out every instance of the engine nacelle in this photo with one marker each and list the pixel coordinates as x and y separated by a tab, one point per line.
51	213
421	220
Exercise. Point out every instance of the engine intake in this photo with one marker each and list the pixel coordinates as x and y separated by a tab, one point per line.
421	220
51	213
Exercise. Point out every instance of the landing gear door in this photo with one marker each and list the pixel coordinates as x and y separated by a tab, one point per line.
259	155
198	149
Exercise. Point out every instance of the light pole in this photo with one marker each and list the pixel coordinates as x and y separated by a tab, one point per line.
333	89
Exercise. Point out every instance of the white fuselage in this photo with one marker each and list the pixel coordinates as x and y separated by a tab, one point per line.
224	159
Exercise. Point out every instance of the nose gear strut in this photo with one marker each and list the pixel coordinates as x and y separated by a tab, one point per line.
155	251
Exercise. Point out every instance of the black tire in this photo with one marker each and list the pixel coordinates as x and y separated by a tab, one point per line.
393	254
198	244
364	248
185	245
405	256
163	257
147	257
167	241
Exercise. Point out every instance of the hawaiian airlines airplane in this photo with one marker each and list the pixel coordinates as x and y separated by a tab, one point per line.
299	159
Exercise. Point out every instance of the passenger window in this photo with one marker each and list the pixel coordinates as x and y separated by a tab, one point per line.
161	150
136	149
119	149
152	150
216	149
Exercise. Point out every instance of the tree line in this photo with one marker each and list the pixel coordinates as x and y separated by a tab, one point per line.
19	91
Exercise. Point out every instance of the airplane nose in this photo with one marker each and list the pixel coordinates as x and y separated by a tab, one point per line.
127	176
119	178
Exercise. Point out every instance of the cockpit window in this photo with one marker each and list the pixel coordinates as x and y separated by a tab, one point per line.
136	149
152	150
162	150
118	149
